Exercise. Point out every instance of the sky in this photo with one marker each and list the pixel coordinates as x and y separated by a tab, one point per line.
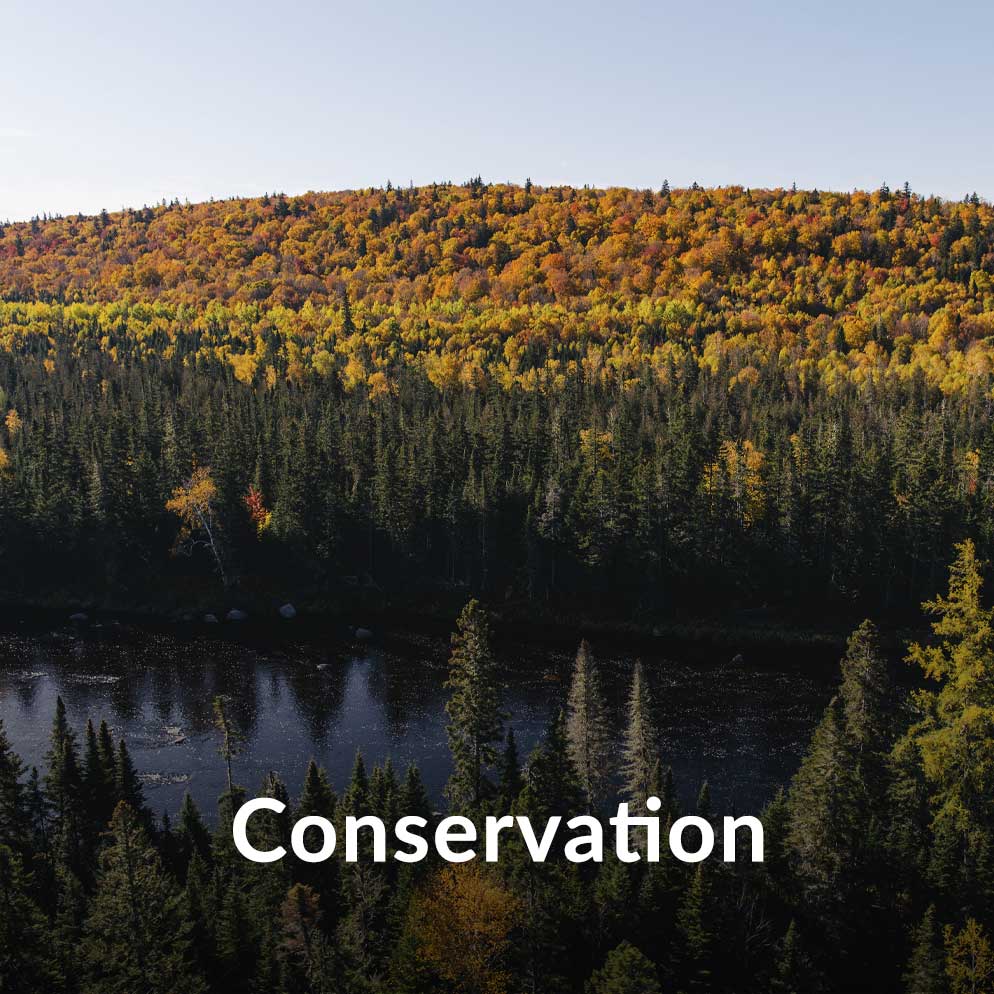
111	105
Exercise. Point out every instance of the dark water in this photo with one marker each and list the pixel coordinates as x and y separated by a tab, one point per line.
740	725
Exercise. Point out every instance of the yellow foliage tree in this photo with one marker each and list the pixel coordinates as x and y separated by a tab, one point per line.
195	503
461	923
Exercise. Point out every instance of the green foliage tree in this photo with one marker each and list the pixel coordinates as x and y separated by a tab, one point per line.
136	935
474	709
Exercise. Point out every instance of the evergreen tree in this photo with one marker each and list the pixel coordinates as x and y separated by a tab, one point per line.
137	931
127	785
696	927
926	973
13	812
509	781
640	749
27	965
626	970
475	716
794	973
587	727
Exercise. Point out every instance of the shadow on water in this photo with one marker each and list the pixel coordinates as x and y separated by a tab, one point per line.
740	724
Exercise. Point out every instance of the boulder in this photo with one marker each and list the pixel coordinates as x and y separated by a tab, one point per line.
236	614
288	611
79	618
210	619
738	659
363	634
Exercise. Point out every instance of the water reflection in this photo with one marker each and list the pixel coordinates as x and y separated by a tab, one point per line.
742	727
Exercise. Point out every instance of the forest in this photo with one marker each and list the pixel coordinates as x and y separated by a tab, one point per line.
618	403
879	870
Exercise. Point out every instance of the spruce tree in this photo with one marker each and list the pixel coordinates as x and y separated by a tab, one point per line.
475	715
926	973
587	727
640	749
27	963
136	936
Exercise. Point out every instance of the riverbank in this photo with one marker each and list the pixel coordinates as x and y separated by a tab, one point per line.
737	632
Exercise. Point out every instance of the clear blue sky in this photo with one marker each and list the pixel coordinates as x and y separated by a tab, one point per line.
118	104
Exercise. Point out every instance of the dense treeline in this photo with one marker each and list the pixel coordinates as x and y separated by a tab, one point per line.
614	399
658	495
878	874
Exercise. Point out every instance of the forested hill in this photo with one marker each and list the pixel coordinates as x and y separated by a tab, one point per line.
517	283
618	399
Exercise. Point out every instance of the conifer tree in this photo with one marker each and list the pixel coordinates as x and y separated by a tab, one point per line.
27	965
794	973
510	781
137	931
626	970
414	798
640	749
13	811
824	813
696	929
127	784
475	715
97	787
587	727
926	973
954	735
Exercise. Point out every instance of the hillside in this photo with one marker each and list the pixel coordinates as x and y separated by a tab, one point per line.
622	402
518	283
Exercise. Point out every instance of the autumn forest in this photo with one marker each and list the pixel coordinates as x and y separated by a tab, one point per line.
642	402
496	404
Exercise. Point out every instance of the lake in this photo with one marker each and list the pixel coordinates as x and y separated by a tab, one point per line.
740	724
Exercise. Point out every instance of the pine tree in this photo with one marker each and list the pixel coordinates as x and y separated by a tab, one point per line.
136	936
640	750
587	727
476	719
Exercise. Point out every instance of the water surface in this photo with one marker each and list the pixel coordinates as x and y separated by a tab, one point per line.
742	725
